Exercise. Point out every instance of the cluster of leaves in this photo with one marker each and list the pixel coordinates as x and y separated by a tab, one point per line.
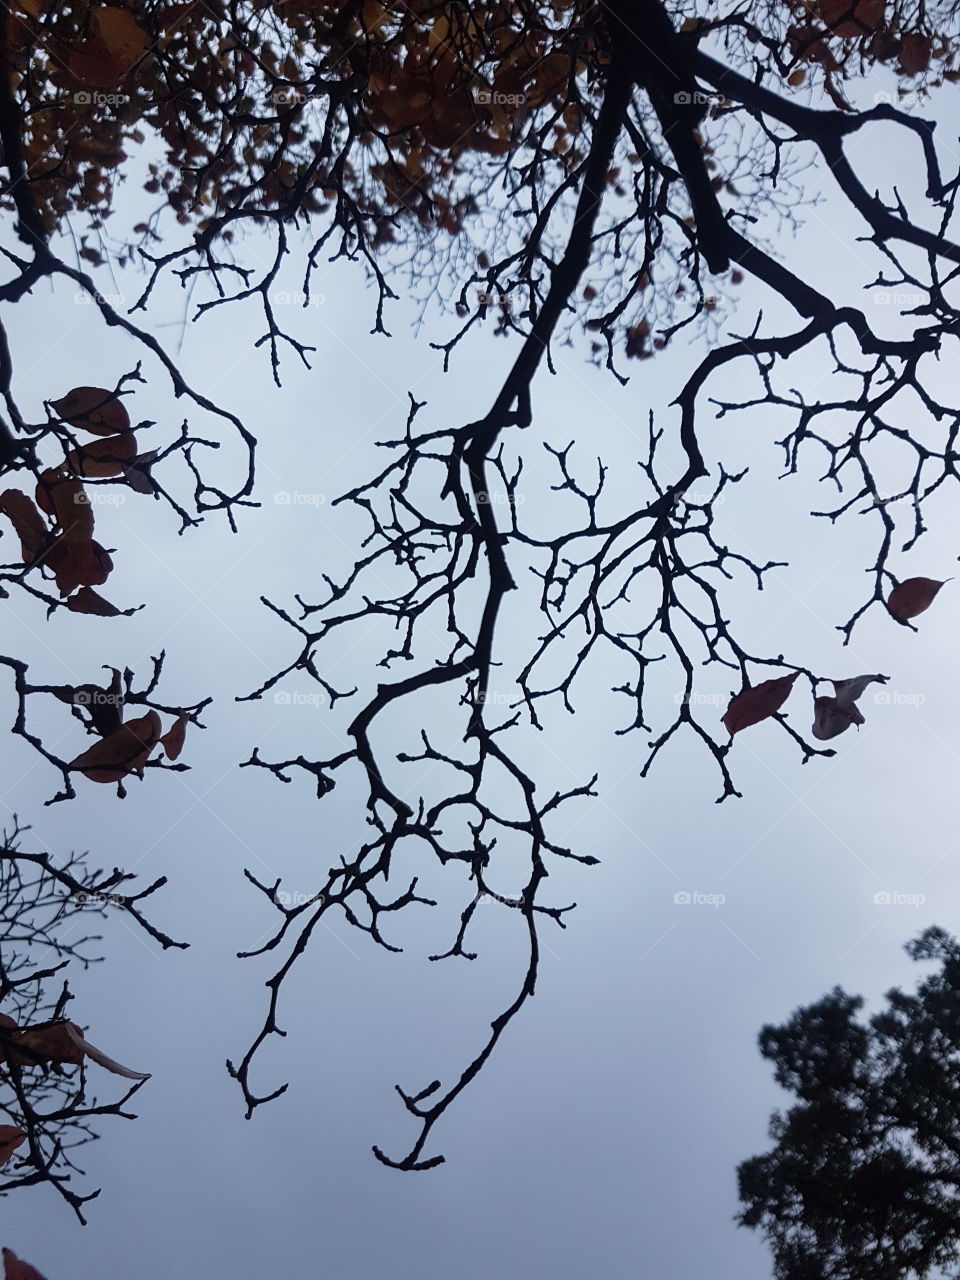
834	714
68	549
46	1105
863	1182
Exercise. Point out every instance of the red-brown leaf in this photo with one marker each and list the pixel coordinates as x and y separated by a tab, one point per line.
104	457
86	600
65	498
79	564
14	1269
912	597
51	1043
172	740
94	409
10	1138
914	54
27	522
122	752
756	704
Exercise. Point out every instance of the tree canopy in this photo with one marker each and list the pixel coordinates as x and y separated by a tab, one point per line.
602	175
862	1180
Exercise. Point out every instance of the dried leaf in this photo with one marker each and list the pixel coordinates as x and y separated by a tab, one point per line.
755	704
847	691
101	1059
105	457
86	600
14	1269
27	522
913	597
49	1043
93	408
831	717
79	564
122	752
65	498
11	1137
915	54
172	740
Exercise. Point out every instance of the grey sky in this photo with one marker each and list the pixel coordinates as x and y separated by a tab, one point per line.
603	1137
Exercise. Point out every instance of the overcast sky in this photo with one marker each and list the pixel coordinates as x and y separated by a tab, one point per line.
603	1136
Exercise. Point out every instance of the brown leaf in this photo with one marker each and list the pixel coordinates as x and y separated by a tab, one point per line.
27	522
49	1043
14	1269
757	703
11	1137
86	600
104	457
913	596
851	18
79	564
65	498
93	408
122	752
915	54
832	717
172	740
